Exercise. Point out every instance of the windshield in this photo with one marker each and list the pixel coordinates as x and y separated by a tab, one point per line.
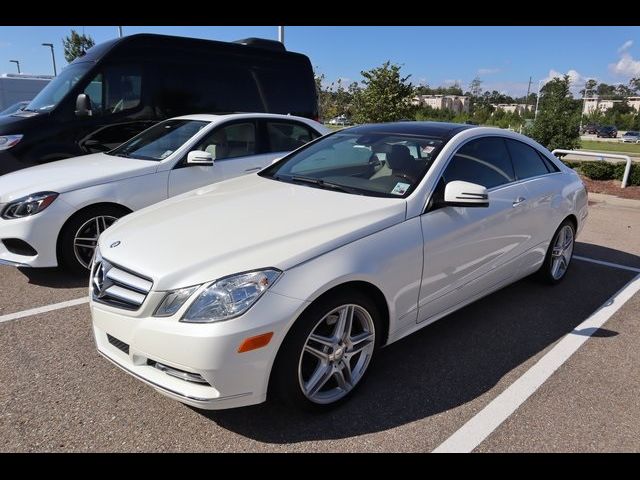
379	164
159	141
16	107
633	134
57	88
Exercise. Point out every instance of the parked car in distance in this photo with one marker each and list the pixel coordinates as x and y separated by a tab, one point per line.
590	128
52	214
286	283
340	120
125	85
631	137
15	108
607	131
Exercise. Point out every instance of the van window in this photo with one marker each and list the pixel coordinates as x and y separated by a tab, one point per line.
51	95
116	89
209	88
285	91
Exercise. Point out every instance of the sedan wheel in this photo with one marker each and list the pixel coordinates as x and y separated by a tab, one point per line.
559	254
86	238
336	354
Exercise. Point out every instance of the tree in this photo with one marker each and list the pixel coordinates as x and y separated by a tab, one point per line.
475	87
557	125
589	88
634	85
76	45
385	97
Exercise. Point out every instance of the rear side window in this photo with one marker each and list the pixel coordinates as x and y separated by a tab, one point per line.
526	160
484	161
286	136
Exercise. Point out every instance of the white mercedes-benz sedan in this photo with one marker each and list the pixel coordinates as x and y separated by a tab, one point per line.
52	214
285	283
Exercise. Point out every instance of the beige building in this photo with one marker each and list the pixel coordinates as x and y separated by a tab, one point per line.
455	103
592	104
518	108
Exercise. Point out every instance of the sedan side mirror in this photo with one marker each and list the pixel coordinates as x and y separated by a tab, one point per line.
199	157
465	194
83	105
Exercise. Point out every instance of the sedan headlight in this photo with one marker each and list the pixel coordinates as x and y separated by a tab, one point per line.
230	297
30	205
172	301
8	141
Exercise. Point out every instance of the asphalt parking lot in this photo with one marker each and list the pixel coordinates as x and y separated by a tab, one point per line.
498	375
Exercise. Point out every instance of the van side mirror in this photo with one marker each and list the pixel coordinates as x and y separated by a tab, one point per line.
465	194
199	157
83	105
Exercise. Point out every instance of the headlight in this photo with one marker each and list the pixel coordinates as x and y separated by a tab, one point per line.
231	296
8	141
172	301
30	205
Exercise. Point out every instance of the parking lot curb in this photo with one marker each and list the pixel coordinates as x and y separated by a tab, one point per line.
613	200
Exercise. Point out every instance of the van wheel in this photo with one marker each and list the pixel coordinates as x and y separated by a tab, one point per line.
79	236
328	352
559	254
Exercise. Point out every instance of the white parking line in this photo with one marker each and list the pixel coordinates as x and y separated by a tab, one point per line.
476	430
608	264
46	308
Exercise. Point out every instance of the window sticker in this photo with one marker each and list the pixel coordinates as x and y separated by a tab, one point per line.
427	149
400	188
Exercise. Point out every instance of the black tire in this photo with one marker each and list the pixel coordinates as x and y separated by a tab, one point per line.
285	384
545	274
66	254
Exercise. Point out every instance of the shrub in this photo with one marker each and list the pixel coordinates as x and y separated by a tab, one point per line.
598	170
571	164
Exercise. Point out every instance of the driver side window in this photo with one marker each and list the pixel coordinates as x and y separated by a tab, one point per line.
116	89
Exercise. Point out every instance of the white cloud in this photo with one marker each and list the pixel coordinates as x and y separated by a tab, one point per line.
513	89
488	71
450	82
627	66
625	46
576	79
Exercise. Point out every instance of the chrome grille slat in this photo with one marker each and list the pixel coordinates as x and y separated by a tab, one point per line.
126	279
117	287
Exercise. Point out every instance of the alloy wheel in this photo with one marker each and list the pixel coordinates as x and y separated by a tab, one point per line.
85	239
561	253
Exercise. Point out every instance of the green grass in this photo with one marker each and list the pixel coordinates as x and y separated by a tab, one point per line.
618	147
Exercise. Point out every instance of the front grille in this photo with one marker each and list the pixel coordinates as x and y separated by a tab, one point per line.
119	344
118	287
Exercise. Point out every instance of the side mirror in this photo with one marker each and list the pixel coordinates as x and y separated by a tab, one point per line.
199	157
465	194
83	105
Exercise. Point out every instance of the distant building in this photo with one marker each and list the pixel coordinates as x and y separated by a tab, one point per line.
455	103
591	104
518	108
16	87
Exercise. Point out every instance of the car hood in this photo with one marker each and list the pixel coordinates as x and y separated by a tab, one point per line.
241	224
71	174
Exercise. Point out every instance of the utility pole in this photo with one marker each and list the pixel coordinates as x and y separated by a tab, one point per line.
538	99
120	32
281	35
17	63
526	100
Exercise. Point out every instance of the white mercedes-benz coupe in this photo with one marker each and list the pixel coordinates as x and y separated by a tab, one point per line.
285	283
52	214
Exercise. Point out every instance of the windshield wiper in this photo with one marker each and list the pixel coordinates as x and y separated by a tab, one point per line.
123	155
322	184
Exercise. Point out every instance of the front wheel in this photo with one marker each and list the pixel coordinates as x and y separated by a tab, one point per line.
559	254
328	352
79	237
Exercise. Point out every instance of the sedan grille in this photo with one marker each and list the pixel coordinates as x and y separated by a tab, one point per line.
112	285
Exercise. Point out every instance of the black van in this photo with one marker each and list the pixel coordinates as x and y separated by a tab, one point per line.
123	86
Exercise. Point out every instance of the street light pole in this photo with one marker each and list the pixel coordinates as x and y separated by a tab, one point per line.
281	35
53	57
120	31
17	63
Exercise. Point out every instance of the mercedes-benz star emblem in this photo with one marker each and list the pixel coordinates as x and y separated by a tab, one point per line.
100	281
114	244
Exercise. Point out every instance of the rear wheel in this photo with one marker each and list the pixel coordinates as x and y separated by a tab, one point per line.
559	254
328	352
79	237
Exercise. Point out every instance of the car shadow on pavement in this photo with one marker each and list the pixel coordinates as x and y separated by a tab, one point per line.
54	278
449	363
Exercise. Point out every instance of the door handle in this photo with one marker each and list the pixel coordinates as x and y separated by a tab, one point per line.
254	169
518	201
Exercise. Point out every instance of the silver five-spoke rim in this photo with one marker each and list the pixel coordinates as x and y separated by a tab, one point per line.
336	354
561	253
86	238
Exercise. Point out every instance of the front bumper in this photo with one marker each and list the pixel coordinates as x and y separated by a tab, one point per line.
208	350
40	231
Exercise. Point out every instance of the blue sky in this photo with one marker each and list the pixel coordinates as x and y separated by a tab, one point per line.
503	57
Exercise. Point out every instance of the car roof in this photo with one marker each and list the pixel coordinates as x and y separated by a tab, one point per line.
211	117
443	130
